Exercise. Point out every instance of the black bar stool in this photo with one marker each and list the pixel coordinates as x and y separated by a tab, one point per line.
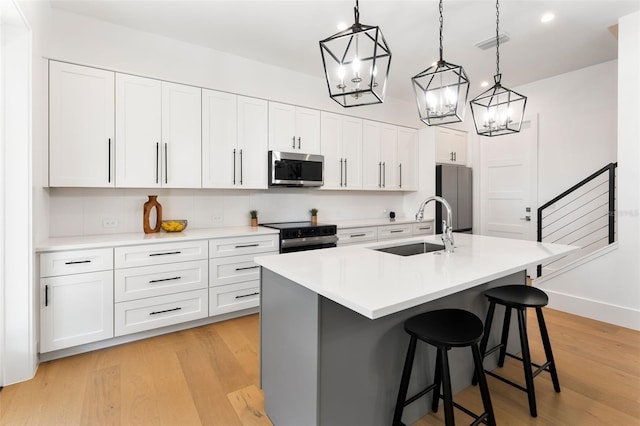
444	329
519	297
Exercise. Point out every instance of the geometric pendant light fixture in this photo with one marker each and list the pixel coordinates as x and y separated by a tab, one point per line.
356	64
441	91
498	111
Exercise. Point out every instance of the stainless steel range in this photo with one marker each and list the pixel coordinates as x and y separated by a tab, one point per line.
301	236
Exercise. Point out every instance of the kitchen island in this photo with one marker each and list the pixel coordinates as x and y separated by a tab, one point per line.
332	339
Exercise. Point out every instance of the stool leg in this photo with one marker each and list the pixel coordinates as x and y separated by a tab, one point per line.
526	362
485	338
447	393
505	335
547	350
404	382
484	388
437	381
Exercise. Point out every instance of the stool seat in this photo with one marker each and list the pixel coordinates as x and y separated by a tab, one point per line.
446	328
518	296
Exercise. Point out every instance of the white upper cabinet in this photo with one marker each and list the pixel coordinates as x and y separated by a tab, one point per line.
342	150
81	126
407	177
234	141
294	129
451	146
379	155
158	133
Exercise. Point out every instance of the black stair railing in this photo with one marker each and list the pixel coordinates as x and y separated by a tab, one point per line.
580	217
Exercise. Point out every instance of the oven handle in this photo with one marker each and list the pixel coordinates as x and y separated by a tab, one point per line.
308	241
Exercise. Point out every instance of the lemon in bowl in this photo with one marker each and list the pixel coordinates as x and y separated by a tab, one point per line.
173	225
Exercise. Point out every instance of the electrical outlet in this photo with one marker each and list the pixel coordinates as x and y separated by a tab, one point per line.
216	218
109	223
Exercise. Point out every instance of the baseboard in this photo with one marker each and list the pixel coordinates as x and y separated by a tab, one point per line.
612	314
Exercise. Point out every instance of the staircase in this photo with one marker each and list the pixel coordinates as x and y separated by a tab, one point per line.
583	215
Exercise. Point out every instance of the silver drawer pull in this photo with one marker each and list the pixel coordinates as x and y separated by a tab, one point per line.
424	228
166	310
357	235
165	254
75	262
247	267
248	245
247	295
395	231
164	279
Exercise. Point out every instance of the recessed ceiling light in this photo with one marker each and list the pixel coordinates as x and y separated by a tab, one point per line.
547	17
484	84
342	26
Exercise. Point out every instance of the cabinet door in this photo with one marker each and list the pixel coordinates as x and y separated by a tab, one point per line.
181	136
219	139
138	127
388	156
81	126
282	127
352	152
75	309
371	164
451	146
252	143
307	130
407	178
331	145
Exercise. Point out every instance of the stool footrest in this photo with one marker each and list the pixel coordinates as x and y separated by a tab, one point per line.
492	350
539	368
505	380
420	394
481	418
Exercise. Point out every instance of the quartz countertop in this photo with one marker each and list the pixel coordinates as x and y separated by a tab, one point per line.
376	284
115	240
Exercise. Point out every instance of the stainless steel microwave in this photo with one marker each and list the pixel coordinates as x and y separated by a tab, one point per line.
293	169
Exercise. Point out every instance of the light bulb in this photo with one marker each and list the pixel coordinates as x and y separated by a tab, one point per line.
356	65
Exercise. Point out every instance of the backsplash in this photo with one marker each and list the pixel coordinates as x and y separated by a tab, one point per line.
96	211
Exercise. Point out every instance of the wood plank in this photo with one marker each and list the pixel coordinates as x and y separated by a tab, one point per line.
248	404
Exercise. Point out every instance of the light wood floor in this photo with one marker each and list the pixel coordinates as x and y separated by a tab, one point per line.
209	376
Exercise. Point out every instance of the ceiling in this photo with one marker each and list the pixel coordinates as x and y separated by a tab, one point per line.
286	33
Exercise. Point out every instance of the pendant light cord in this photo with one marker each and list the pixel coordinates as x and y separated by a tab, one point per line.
441	21
356	14
497	37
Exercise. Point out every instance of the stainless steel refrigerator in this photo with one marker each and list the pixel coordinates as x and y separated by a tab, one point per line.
453	183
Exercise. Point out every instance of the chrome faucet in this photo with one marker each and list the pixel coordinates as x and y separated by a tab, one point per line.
447	230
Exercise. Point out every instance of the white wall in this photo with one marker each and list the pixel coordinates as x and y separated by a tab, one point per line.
608	288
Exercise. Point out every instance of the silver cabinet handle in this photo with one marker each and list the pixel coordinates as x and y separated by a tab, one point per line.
157	162
248	245
345	172
384	171
240	166
395	231
357	235
166	167
247	295
400	165
341	177
109	179
46	295
164	279
234	166
165	253
380	174
293	145
299	142
166	310
247	267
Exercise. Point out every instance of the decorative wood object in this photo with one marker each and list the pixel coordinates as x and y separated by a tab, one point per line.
148	206
254	217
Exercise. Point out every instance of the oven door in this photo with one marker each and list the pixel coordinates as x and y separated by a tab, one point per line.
309	243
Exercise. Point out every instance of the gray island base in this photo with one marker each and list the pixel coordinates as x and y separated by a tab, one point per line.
324	364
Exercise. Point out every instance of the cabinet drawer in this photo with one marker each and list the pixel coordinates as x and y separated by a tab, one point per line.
357	235
149	281
222	247
234	297
161	311
75	262
158	254
395	231
234	269
423	228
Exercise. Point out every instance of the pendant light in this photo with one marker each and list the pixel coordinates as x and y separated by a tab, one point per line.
441	90
498	111
356	64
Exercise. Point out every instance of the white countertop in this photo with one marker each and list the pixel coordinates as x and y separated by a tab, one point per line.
376	284
357	223
115	240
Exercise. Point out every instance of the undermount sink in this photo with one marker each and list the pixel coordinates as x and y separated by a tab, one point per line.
411	249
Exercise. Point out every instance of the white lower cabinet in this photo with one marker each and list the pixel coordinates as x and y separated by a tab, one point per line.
234	297
75	308
395	231
357	235
424	228
153	312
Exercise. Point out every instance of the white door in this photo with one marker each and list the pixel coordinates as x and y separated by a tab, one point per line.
282	127
508	183
331	134
81	126
181	136
219	139
352	152
388	156
307	130
371	164
253	133
407	159
138	127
